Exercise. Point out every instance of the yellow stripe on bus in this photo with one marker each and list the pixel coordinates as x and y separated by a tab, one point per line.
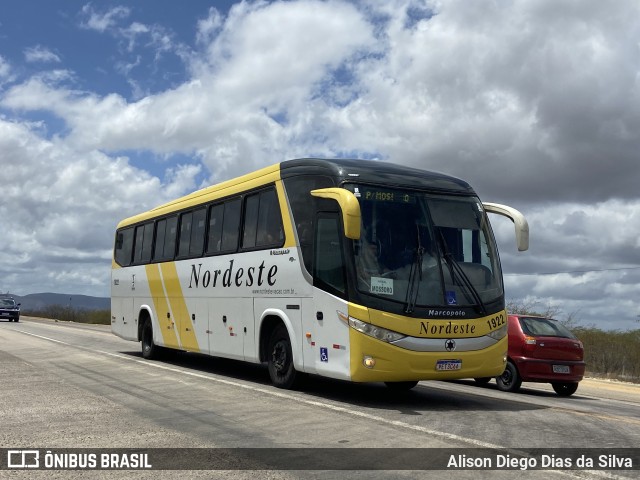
181	315
160	303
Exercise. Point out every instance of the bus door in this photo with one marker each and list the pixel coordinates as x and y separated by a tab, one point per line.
327	352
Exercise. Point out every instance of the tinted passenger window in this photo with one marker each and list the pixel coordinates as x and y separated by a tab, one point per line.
216	218
197	232
231	226
124	247
192	229
224	220
143	244
165	246
250	221
185	234
262	221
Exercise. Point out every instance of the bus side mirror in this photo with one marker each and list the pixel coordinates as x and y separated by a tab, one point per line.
521	225
349	206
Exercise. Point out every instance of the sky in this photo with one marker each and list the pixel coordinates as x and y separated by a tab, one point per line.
109	108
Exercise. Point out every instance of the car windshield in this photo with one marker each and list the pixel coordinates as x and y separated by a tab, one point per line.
425	249
7	302
544	327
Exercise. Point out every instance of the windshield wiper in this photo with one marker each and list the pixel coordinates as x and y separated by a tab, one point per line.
465	283
415	272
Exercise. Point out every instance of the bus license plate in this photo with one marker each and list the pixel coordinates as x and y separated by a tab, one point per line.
561	369
446	365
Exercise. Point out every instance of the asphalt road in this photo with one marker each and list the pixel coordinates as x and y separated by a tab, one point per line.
78	386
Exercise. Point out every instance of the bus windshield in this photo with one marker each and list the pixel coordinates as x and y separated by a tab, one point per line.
425	249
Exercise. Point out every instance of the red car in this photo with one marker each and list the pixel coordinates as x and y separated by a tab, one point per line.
541	350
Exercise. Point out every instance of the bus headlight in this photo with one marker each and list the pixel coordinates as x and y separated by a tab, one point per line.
374	331
499	333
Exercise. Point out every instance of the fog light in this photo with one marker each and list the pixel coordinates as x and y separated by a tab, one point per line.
369	362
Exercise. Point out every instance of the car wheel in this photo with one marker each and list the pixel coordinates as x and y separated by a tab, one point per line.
482	380
400	386
565	389
510	380
280	359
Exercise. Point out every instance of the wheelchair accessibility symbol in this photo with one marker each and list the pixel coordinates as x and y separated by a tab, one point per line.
324	354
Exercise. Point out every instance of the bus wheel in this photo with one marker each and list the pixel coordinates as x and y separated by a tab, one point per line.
149	348
565	389
510	380
280	359
400	386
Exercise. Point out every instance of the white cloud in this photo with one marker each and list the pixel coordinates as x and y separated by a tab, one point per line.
40	54
102	21
536	104
62	206
5	70
208	27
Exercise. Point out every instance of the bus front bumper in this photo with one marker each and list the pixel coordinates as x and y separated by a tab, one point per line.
375	361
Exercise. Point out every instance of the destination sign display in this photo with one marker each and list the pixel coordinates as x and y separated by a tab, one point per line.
383	196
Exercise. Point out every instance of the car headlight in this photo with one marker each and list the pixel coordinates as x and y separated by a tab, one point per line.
374	331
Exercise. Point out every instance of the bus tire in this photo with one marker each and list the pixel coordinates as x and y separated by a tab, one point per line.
280	359
510	380
565	389
149	349
401	386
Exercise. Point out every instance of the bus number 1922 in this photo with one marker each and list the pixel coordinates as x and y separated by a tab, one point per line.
496	322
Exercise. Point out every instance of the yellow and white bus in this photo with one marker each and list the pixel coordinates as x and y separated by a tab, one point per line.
357	270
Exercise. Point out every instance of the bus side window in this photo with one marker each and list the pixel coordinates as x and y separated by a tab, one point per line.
216	219
269	231
185	234
192	228
329	261
197	232
143	243
124	246
251	206
231	225
165	245
158	246
262	220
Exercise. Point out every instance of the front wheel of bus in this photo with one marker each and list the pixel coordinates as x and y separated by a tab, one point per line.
149	348
280	361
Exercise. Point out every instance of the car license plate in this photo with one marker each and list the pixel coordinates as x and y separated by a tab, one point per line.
561	369
446	365
4	314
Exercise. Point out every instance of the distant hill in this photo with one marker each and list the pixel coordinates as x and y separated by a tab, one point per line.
40	301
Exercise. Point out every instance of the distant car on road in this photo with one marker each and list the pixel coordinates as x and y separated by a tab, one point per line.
541	350
9	309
